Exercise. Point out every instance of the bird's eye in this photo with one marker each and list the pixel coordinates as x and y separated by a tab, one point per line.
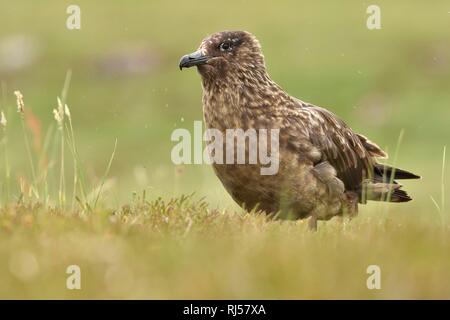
225	46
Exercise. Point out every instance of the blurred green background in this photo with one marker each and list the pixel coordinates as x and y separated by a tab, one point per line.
126	83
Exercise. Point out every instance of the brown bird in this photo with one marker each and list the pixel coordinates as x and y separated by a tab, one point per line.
325	169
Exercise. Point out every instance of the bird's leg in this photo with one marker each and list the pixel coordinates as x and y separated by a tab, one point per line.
341	221
312	223
351	204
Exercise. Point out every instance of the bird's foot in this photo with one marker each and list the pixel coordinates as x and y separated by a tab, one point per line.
312	223
351	205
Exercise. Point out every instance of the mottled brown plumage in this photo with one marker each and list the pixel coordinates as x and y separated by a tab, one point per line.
325	168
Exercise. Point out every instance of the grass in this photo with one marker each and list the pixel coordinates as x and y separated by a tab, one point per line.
65	186
181	248
441	208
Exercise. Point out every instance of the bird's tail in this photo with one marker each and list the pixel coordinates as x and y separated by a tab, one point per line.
383	187
391	173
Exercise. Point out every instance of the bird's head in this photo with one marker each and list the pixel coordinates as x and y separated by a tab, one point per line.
226	53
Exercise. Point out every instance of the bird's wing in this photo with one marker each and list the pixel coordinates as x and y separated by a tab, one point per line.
372	148
349	153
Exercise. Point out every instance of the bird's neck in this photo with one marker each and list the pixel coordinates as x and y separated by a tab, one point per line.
239	96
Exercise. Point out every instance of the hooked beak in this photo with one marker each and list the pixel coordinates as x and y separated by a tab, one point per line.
194	59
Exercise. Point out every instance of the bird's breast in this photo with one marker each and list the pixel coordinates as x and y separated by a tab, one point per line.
222	112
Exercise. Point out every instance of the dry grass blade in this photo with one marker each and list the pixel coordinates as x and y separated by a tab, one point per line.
102	183
21	109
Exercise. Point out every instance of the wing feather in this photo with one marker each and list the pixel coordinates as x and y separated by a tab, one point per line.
339	145
321	137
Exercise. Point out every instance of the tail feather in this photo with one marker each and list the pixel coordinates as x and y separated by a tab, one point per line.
399	196
383	187
385	172
380	191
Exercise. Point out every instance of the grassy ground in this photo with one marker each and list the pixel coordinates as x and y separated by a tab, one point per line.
182	249
381	82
